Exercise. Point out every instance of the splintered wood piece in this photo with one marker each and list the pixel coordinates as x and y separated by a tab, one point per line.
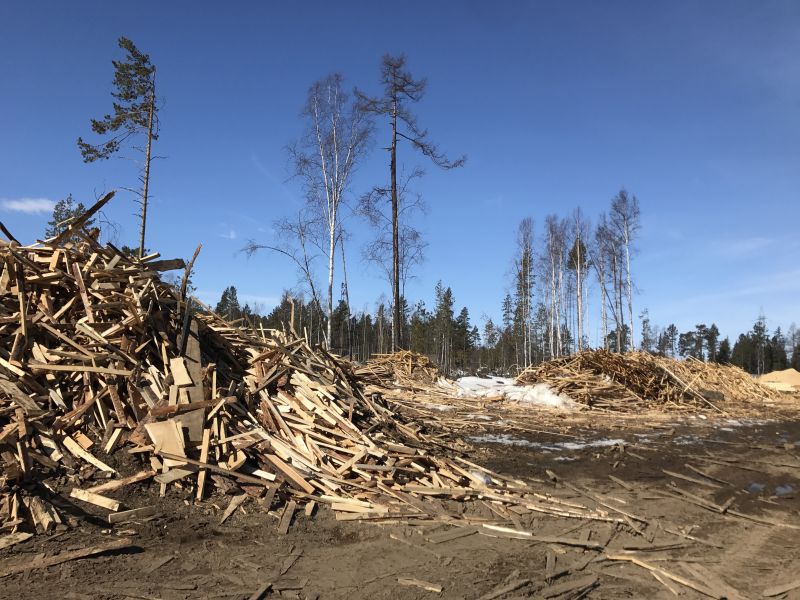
236	502
425	585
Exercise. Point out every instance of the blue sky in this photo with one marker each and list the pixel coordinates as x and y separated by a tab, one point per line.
694	107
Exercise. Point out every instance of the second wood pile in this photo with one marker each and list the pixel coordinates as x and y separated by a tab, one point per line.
634	380
404	369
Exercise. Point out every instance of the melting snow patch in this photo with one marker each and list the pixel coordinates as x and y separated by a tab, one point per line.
509	440
540	394
501	438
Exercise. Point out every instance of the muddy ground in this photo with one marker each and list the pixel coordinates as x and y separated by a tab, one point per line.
184	552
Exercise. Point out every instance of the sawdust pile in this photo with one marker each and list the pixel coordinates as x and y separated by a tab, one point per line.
787	380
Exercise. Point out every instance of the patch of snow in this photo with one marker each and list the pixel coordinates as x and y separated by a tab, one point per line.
486	387
594	444
509	440
501	438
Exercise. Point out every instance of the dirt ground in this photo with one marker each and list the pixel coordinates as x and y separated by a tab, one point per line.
750	545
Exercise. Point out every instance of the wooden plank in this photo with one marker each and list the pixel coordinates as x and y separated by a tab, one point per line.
504	589
36	366
173	475
75	449
291	473
14	538
664	573
580	584
235	502
18	396
691	479
286	518
94	498
118	483
214	468
452	534
179	373
780	590
201	474
193	359
133	514
87	306
425	585
49	561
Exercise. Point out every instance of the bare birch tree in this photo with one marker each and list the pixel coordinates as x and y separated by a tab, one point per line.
325	157
599	256
400	88
578	263
552	264
625	220
523	275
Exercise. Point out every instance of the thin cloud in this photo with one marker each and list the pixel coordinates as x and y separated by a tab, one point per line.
29	206
229	235
743	247
784	282
266	301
